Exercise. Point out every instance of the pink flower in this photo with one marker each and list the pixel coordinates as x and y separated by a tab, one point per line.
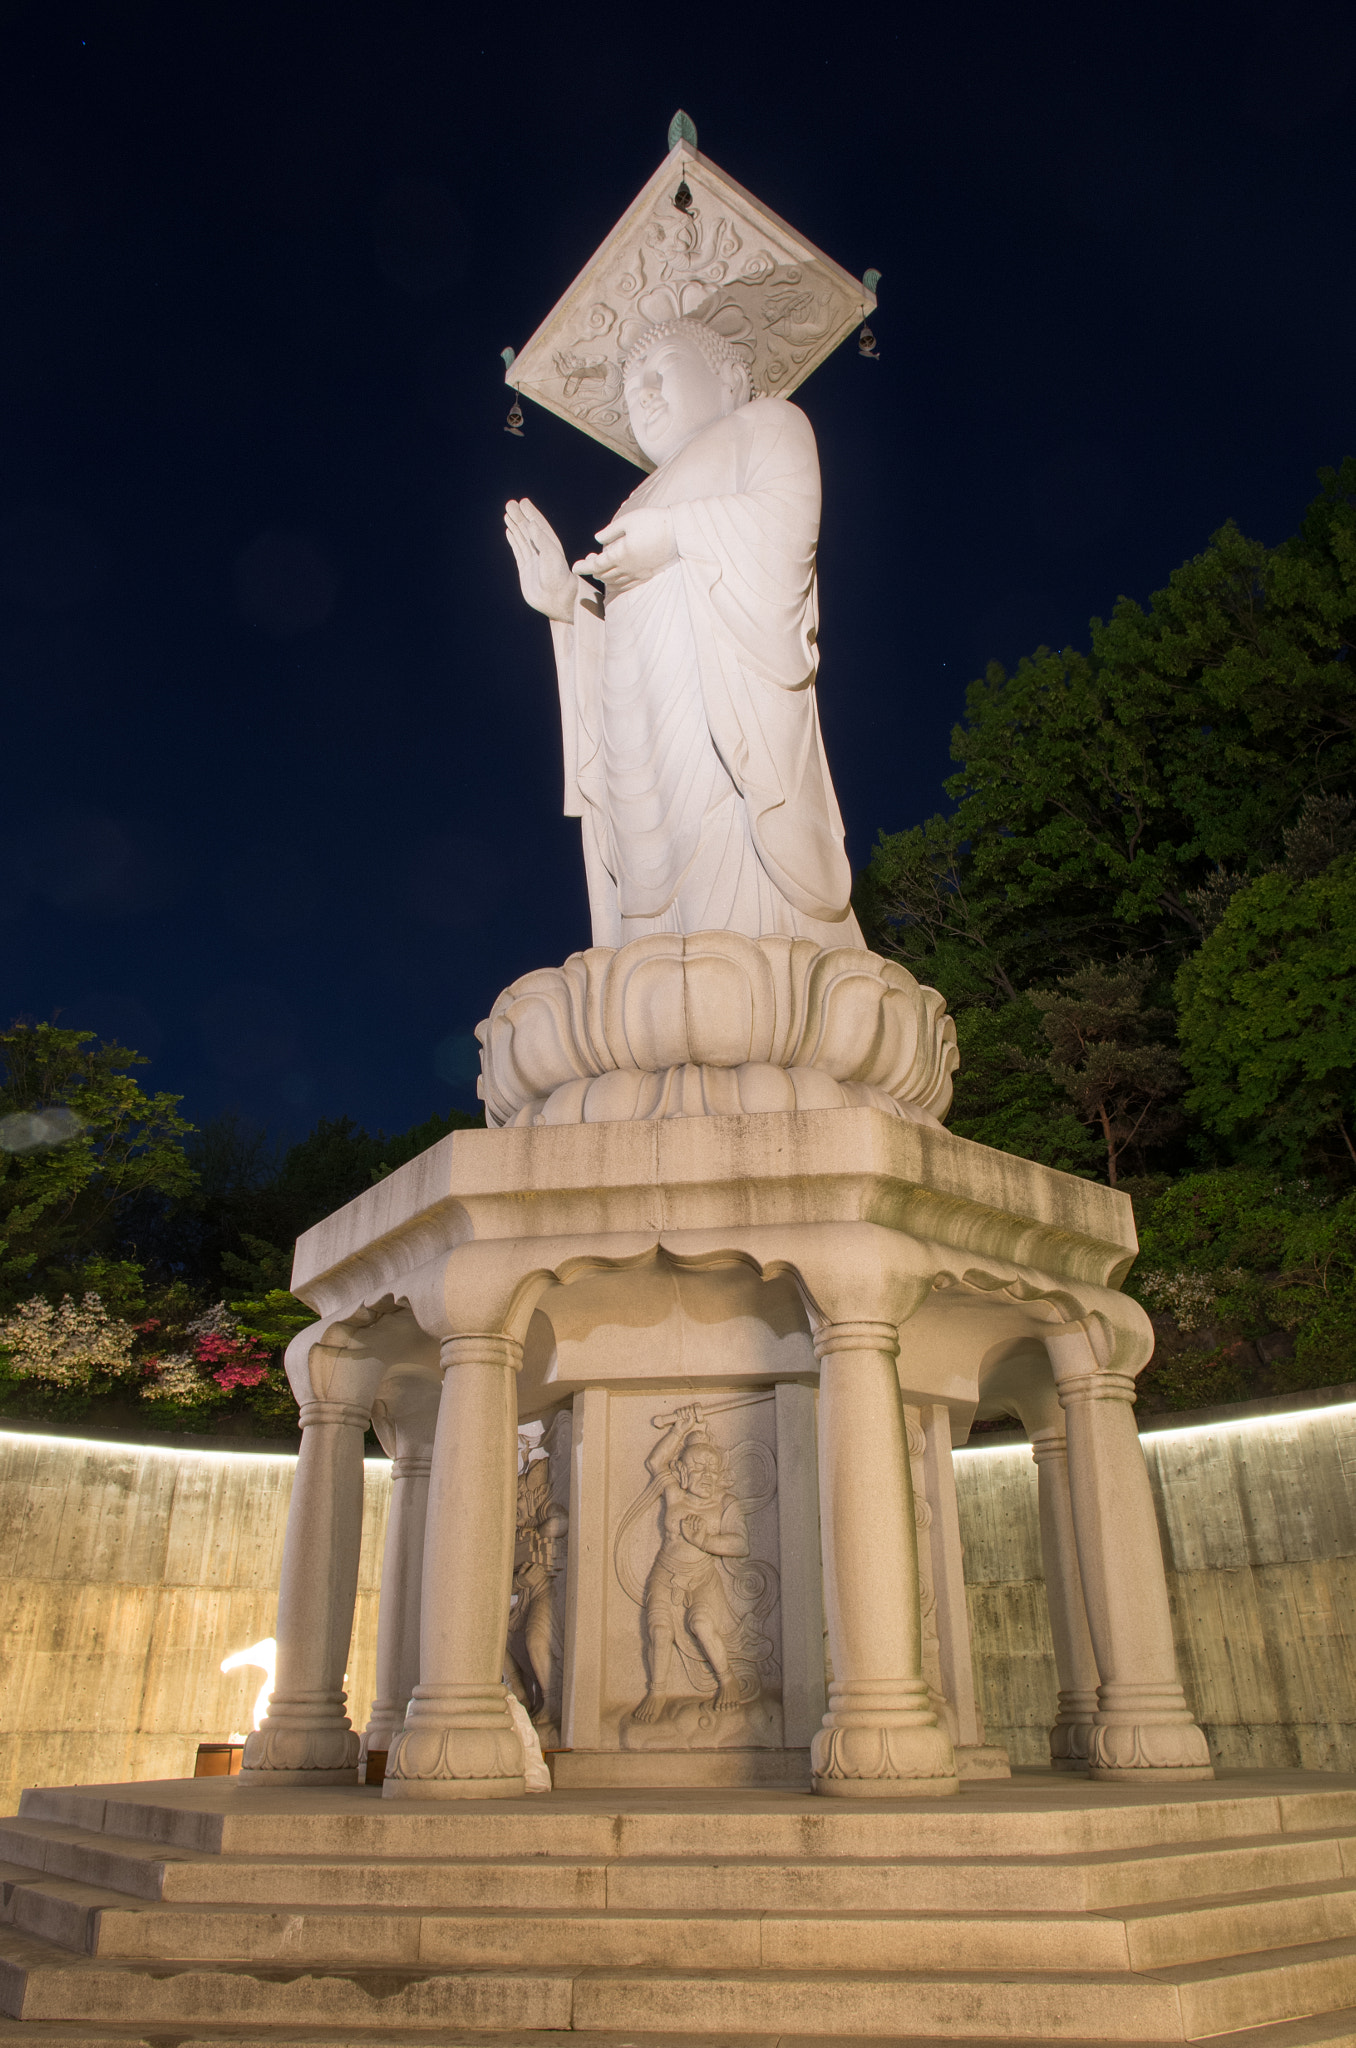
243	1374
230	1351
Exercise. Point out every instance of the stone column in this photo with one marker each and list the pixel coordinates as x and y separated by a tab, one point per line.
1071	1736
975	1757
803	1696
402	1571
458	1741
880	1737
1144	1728
915	1438
306	1738
587	1565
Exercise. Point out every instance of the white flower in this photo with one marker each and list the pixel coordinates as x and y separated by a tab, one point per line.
66	1345
1188	1296
177	1378
215	1322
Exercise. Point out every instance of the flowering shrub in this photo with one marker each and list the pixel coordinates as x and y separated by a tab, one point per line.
1188	1296
66	1346
219	1355
178	1378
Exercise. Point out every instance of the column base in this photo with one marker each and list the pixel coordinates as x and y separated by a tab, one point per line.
882	1748
319	1779
384	1726
1071	1736
458	1742
1144	1733
454	1788
300	1751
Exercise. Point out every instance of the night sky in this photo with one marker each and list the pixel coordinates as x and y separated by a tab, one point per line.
281	753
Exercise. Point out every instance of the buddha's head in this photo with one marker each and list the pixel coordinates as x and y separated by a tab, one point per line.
680	376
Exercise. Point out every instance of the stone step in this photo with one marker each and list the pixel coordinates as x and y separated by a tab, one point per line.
1186	2003
82	1919
1089	1881
574	1941
1332	2030
36	1984
1195	1931
1274	1984
988	1884
1014	1818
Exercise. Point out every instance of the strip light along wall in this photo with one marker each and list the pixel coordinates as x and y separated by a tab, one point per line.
94	1443
85	1443
1192	1428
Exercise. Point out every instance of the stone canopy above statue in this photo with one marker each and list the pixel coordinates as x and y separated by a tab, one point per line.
692	244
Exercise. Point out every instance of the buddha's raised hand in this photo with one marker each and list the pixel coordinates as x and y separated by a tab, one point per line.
543	572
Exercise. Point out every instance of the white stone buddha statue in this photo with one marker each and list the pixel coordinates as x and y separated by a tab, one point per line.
693	753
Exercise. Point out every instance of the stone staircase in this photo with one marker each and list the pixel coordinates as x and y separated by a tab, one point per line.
1045	1909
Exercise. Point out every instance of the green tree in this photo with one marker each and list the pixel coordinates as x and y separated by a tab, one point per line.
1184	740
913	905
1268	1017
1252	1283
1098	791
1006	1095
80	1145
1108	1054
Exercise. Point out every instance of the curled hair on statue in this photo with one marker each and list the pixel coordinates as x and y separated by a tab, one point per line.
720	354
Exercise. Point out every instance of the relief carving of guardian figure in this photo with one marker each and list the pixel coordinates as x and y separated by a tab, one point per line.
708	1658
533	1665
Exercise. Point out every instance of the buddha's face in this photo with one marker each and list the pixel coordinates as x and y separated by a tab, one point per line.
672	393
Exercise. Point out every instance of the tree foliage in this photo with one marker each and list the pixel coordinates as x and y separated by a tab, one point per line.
1268	1016
146	1265
1097	789
80	1143
1142	909
1109	1056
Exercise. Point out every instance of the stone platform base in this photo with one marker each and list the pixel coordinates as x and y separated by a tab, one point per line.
981	1760
1042	1908
678	1769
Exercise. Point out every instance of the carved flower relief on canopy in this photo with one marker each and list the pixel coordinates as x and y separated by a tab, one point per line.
723	259
766	308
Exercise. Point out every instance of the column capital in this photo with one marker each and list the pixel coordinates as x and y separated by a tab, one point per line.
832	1338
1096	1385
347	1412
490	1347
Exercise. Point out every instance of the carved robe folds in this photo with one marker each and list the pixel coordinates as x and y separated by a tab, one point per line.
693	752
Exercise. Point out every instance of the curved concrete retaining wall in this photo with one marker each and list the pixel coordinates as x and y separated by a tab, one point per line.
1258	1522
127	1574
